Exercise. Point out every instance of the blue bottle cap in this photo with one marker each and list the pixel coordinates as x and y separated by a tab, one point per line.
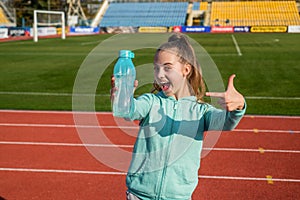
126	54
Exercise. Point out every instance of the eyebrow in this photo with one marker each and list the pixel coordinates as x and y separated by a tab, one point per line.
166	63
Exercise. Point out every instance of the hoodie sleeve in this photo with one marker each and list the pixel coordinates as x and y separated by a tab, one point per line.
140	107
217	119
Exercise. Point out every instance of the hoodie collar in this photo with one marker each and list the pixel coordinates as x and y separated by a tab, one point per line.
189	98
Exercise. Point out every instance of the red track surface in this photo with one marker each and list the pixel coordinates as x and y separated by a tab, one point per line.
42	156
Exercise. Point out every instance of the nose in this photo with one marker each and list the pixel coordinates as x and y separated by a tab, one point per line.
159	72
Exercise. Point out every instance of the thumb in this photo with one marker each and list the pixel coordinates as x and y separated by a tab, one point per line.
230	82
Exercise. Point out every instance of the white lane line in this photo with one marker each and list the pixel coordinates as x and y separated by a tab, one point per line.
248	178
107	95
266	131
272	116
67	126
253	150
124	173
55	112
62	171
43	54
65	144
110	113
131	146
273	98
51	94
236	46
129	127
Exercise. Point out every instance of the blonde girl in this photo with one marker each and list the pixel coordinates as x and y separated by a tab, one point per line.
166	154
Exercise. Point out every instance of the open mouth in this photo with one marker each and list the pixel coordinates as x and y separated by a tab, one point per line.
165	86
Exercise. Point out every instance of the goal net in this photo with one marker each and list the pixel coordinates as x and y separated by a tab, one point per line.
47	22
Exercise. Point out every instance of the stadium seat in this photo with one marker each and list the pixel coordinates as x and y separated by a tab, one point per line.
145	14
3	18
254	13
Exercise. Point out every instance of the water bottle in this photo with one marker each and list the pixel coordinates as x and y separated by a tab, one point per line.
124	73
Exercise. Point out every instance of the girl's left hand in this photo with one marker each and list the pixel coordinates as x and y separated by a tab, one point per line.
114	89
231	99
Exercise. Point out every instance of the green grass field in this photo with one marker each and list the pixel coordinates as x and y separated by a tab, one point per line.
40	76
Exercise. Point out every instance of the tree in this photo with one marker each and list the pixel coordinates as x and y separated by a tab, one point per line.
25	8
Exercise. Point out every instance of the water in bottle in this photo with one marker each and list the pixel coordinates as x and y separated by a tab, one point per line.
124	73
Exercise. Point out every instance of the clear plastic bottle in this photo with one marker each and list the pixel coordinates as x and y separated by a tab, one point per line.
124	73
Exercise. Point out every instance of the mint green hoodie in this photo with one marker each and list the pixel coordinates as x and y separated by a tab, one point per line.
166	154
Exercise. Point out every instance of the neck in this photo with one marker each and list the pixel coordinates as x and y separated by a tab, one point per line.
185	91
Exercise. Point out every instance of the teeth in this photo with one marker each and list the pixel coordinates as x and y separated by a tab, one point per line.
164	83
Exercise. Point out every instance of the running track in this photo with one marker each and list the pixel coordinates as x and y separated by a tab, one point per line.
43	157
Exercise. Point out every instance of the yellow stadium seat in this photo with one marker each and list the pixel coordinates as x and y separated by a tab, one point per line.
3	18
251	13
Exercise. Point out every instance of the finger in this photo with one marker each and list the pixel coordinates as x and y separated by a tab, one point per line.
112	81
230	81
215	94
136	83
112	93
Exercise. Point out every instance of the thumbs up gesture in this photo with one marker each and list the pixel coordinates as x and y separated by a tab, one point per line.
231	99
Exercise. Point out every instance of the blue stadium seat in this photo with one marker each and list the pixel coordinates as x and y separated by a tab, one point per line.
196	6
145	14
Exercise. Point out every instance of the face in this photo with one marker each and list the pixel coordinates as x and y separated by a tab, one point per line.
171	75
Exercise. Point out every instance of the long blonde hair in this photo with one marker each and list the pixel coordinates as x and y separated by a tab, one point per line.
180	45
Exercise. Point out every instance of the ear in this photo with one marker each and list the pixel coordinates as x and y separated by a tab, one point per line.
187	69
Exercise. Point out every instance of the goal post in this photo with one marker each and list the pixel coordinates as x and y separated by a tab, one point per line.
53	18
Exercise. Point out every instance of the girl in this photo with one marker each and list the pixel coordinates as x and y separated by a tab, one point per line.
166	154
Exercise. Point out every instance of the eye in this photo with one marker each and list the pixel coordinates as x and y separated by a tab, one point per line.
167	67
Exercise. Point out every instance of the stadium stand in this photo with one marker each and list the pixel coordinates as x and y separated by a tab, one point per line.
196	6
200	5
3	18
204	5
254	13
6	16
196	16
145	14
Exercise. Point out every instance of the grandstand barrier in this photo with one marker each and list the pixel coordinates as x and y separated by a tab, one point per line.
119	29
44	31
268	29
222	29
3	32
175	29
22	33
241	29
238	29
18	31
293	29
195	29
153	30
60	31
83	30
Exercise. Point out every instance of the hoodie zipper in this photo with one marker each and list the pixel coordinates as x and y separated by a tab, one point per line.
168	152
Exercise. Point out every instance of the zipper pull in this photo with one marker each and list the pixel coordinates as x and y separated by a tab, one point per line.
175	106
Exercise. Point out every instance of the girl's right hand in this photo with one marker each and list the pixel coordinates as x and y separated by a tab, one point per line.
113	88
